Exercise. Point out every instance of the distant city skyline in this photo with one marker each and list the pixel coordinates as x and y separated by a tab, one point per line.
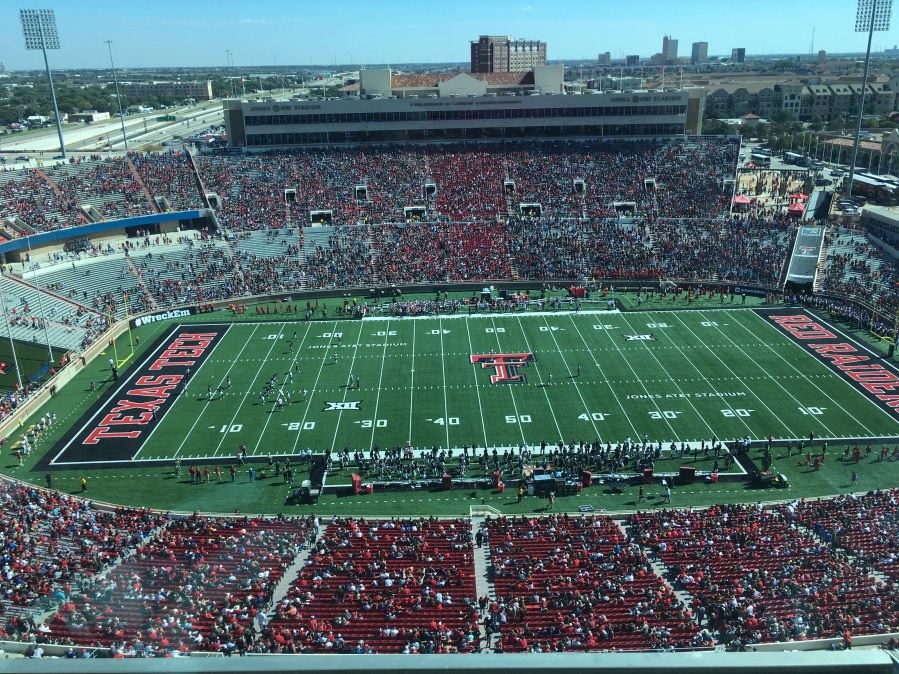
164	33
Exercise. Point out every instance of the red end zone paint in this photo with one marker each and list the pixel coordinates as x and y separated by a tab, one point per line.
868	373
115	428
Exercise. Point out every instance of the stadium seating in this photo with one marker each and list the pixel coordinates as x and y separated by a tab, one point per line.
107	186
198	585
390	586
858	269
52	541
755	578
865	526
572	584
69	326
171	176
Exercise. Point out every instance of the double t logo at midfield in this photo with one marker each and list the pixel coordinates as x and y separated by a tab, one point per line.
505	365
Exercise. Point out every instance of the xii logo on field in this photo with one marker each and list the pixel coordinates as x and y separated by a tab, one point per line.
346	405
505	366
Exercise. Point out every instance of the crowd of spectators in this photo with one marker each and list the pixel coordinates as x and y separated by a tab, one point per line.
200	584
575	584
383	586
466	182
145	584
107	185
859	270
864	525
440	252
345	262
170	175
742	250
26	195
51	541
754	577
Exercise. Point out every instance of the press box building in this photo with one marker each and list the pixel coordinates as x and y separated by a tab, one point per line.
388	107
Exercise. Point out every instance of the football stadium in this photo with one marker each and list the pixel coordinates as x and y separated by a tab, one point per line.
560	398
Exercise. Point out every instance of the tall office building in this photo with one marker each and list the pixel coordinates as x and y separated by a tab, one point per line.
700	53
505	54
604	58
632	59
738	54
669	49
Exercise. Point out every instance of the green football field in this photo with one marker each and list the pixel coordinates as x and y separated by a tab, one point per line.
682	376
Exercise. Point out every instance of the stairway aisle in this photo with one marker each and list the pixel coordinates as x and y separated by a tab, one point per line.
483	571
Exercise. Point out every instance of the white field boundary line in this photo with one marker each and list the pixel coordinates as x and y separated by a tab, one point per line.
459	450
887	365
673	381
605	378
280	393
477	385
204	408
509	386
243	399
549	404
346	391
443	370
206	404
125	382
314	387
637	379
720	360
374	424
577	387
411	387
794	346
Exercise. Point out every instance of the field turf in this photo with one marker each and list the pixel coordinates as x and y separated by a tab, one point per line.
681	376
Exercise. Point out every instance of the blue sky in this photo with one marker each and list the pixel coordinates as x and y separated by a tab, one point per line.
197	32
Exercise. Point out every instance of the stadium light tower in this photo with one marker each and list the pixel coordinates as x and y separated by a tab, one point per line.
871	15
39	29
118	96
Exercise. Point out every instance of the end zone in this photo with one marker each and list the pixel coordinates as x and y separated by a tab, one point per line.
869	373
114	429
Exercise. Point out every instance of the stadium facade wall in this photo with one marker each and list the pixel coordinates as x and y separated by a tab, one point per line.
613	115
36	241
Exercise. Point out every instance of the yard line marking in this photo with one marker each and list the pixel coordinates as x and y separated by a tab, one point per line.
783	338
602	372
445	399
714	353
280	392
184	391
576	387
144	444
411	385
477	385
639	381
672	380
561	436
374	424
724	400
126	382
864	349
346	391
314	387
509	386
249	388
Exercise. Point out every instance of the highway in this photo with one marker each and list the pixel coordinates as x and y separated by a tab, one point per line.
142	129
